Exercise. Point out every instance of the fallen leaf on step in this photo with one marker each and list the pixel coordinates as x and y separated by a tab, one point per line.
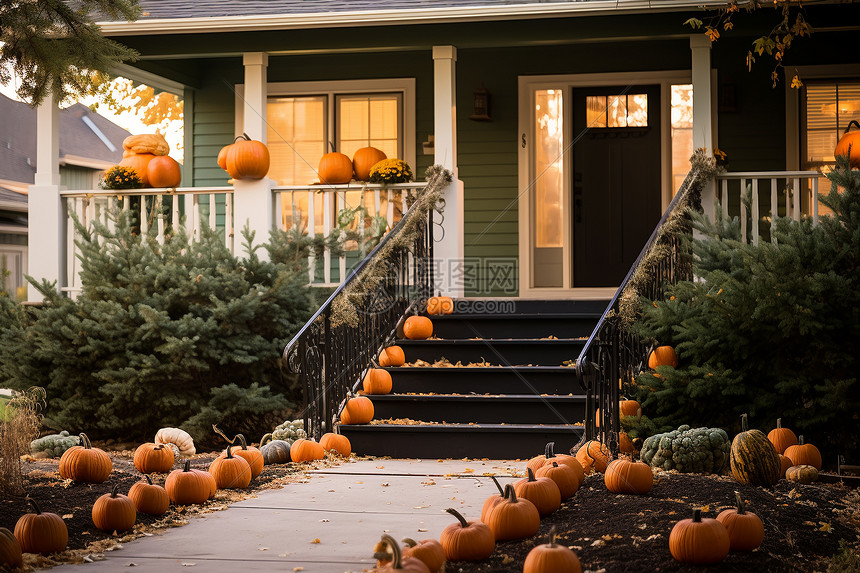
317	540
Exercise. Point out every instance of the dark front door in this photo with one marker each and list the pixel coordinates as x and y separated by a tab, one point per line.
616	180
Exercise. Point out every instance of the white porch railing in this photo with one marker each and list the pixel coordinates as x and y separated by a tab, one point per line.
334	205
161	209
158	209
791	194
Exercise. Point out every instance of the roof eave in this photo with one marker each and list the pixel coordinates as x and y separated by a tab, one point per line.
397	17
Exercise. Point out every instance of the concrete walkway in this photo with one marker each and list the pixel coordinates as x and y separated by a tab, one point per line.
328	523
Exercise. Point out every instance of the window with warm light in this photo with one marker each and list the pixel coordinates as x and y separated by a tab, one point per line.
830	107
303	128
682	133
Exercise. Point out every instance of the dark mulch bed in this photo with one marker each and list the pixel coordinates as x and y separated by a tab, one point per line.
622	533
74	501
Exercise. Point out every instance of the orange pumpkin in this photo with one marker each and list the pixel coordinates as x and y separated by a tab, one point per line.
564	476
377	381
804	454
252	455
163	171
358	410
247	158
626	476
663	356
551	557
39	532
114	512
231	472
153	458
418	328
140	163
563	460
746	531
493	500
542	492
399	562
429	551
440	305
593	456
365	158
335	169
392	356
699	541
188	486
85	463
467	540
849	144
336	442
148	497
10	550
781	438
304	450
785	463
513	518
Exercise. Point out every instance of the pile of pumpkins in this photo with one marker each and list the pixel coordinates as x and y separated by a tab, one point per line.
337	168
46	533
147	155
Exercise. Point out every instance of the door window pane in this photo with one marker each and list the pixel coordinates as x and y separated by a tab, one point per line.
548	168
682	133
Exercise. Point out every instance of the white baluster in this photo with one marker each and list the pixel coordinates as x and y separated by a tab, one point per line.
814	200
174	211
774	208
796	187
213	212
755	211
725	198
159	203
327	227
389	212
195	217
311	233
229	231
144	221
341	204
743	211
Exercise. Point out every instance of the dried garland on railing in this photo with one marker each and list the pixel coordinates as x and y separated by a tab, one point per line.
704	168
345	308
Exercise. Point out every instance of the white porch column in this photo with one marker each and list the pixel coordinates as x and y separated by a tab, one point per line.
700	46
252	202
46	220
448	252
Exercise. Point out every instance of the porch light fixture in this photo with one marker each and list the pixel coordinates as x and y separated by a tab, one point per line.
482	105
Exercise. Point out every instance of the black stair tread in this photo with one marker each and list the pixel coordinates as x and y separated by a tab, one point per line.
477	397
514	316
481	341
454	427
495	370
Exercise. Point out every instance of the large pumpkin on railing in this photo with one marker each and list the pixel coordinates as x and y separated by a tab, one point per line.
365	158
163	171
335	169
245	158
140	150
849	144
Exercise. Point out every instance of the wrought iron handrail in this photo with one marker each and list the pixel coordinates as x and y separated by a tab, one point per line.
333	349
612	353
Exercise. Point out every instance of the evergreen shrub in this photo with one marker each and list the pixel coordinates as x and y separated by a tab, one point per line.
176	334
771	329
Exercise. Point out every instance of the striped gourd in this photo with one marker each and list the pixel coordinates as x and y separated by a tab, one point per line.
754	459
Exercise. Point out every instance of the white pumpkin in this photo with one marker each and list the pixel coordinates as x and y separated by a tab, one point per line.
177	436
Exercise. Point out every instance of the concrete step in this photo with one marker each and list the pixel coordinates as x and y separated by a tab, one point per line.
478	380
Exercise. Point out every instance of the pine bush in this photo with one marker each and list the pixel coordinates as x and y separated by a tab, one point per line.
176	334
770	329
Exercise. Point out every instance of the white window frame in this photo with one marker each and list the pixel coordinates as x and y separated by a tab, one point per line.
405	86
568	82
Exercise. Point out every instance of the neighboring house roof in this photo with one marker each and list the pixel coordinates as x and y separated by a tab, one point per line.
185	16
86	139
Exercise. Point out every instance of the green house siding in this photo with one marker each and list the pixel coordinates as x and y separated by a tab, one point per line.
73	177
